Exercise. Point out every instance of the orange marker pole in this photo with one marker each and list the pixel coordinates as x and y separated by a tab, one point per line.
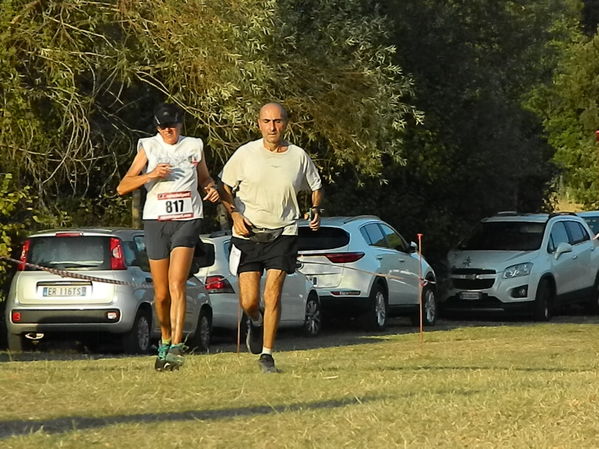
420	280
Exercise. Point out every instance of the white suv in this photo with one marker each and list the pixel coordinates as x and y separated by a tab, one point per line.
525	263
362	266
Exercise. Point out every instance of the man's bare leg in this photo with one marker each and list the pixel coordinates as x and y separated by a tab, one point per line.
249	293
272	306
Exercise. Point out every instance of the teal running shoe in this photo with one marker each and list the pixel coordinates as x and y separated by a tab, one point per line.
159	364
175	356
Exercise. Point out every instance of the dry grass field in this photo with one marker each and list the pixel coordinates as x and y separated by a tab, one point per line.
514	385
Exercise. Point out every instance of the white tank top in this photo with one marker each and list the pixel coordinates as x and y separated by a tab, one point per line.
175	197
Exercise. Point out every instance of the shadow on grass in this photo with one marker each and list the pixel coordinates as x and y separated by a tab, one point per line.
486	368
73	423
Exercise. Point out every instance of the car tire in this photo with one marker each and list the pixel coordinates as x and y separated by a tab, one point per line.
200	342
378	309
430	308
137	340
543	301
313	319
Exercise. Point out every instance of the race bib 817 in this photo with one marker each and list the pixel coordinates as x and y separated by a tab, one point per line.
175	205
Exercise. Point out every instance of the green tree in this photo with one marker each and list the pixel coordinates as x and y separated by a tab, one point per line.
475	64
328	62
81	78
571	111
15	219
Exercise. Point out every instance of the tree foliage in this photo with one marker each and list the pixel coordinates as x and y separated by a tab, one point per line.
571	111
15	216
82	77
475	64
426	113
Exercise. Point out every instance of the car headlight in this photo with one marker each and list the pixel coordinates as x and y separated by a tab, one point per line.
514	271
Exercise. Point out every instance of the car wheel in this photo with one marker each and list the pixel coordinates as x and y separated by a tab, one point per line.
137	340
543	300
429	308
376	317
200	342
14	342
313	320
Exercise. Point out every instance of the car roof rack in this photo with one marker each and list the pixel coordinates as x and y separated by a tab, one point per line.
361	217
557	214
508	212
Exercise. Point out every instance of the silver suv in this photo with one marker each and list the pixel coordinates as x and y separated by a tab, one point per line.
41	302
525	263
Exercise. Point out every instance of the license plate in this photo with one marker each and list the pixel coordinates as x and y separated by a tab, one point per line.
63	291
470	296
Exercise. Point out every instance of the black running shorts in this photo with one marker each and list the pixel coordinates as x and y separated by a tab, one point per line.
162	237
280	254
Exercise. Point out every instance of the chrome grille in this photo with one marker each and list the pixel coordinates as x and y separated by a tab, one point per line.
472	278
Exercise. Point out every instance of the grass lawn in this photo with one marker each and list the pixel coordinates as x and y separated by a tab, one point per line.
517	386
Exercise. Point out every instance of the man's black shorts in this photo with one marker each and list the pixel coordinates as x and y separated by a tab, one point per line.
162	237
280	254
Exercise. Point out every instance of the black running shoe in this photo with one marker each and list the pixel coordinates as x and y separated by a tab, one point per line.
253	339
267	363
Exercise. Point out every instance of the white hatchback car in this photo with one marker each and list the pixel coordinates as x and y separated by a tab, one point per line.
525	263
362	266
300	305
41	303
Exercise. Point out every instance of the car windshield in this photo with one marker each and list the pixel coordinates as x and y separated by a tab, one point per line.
71	253
505	236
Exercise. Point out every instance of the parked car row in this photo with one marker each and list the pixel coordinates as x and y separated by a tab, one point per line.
353	266
530	264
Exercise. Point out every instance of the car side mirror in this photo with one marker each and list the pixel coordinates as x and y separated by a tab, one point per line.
413	247
562	248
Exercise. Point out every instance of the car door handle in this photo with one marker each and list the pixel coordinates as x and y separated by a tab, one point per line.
574	257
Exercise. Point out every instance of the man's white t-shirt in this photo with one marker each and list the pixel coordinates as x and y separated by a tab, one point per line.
266	184
175	197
